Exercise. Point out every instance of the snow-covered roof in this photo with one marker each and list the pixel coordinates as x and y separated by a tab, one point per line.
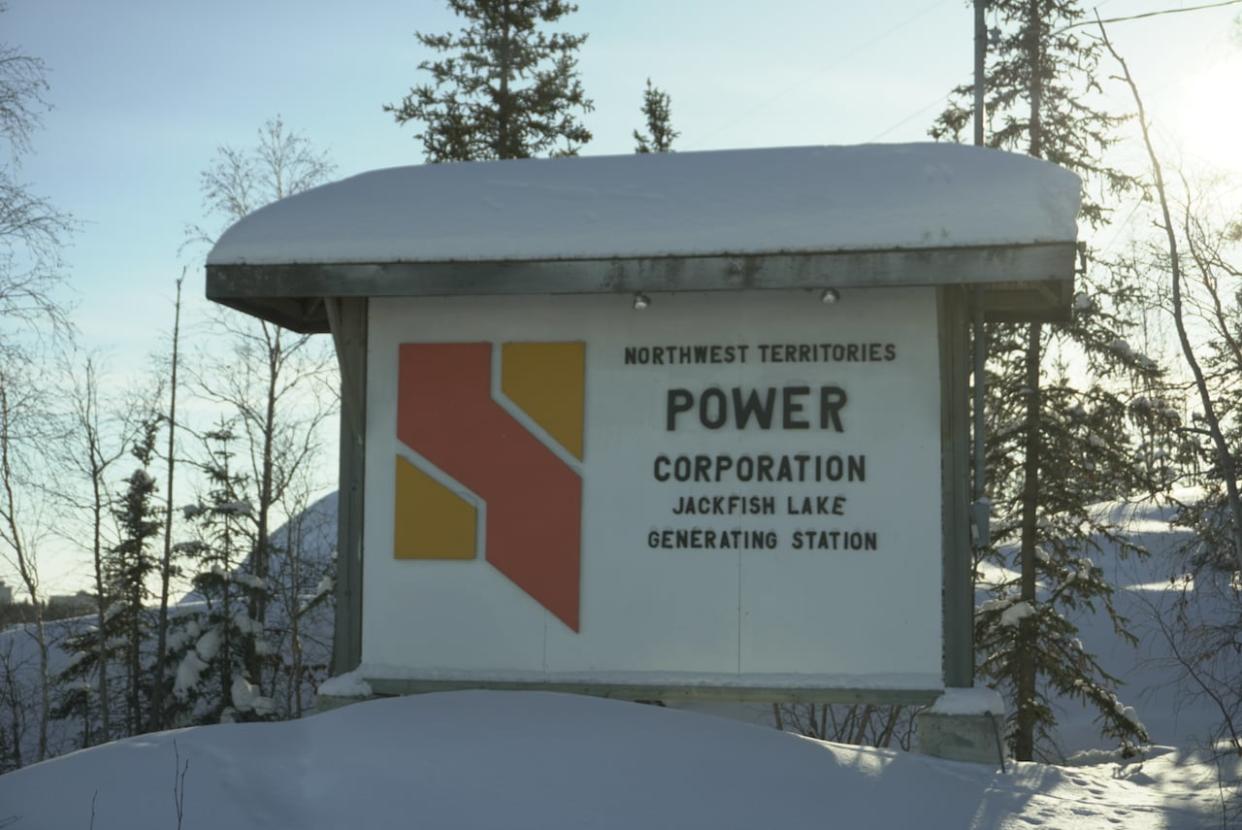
792	217
745	202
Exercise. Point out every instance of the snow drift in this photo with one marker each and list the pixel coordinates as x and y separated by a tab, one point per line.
547	761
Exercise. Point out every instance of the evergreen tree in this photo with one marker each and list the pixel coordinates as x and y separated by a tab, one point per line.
94	651
217	648
656	110
503	89
131	562
1058	441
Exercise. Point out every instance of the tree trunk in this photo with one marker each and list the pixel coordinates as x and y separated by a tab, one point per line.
262	551
295	611
504	108
135	660
101	602
1224	457
1025	645
157	692
25	563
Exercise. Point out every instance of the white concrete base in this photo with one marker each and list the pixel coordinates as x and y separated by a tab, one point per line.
977	738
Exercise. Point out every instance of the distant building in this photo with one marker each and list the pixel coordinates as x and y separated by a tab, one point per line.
70	605
6	594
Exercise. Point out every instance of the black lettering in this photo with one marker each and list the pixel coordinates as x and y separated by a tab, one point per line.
702	468
722	408
831	401
890	351
679	401
858	468
631	355
661	475
792	407
751	406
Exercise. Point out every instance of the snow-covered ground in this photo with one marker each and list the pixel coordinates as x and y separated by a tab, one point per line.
539	760
494	759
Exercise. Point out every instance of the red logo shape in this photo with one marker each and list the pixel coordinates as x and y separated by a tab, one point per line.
446	413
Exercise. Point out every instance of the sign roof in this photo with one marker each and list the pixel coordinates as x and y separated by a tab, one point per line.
731	202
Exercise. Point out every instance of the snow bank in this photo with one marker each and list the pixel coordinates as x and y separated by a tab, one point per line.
979	700
791	199
534	760
349	684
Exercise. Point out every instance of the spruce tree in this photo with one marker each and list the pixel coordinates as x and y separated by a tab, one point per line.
130	563
502	88
657	112
94	651
216	678
1058	440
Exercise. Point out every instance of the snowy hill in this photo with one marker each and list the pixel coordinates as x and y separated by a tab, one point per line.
538	760
1146	590
313	532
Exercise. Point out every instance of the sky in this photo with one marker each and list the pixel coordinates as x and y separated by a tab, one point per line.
144	91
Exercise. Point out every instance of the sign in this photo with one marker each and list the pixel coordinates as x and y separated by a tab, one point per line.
725	489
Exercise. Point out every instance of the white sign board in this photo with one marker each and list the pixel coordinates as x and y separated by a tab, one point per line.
726	489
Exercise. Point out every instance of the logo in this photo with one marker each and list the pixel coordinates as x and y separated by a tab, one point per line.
472	451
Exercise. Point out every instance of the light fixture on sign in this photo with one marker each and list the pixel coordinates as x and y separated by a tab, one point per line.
641	301
830	296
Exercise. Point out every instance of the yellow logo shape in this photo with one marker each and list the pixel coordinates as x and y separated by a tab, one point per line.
432	522
548	382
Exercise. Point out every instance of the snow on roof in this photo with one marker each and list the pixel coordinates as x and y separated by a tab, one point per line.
746	202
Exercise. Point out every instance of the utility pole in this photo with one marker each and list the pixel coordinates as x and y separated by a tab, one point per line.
980	506
981	49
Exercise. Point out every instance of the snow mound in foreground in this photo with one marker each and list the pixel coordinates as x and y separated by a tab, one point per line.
541	760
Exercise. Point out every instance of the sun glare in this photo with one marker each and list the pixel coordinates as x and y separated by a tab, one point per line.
1210	122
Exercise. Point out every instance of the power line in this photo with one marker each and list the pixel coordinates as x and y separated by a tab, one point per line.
1143	15
1140	16
911	117
839	59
